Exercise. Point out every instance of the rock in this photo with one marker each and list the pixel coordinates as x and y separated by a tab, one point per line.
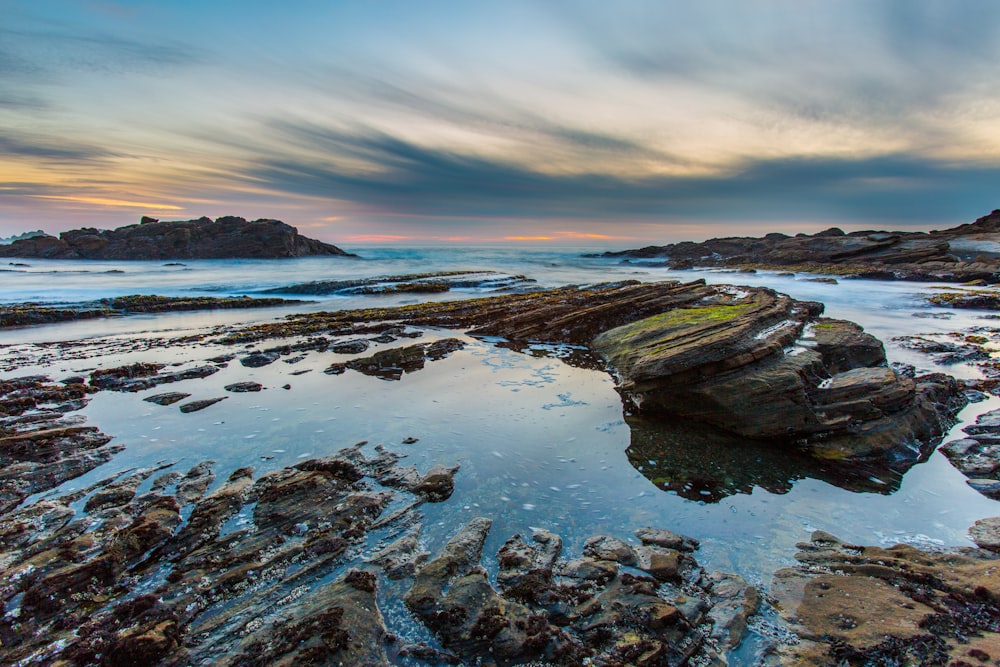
667	539
662	564
401	558
258	359
986	533
243	387
356	346
225	237
609	548
935	256
596	613
194	406
391	364
868	605
144	376
978	456
437	485
168	398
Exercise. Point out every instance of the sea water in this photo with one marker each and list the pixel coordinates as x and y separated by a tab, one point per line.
541	443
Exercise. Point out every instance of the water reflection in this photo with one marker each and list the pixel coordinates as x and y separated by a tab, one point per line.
700	463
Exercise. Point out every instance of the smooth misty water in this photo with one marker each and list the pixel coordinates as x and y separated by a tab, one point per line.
541	443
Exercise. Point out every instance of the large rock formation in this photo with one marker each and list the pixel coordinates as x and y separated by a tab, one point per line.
226	237
967	252
748	361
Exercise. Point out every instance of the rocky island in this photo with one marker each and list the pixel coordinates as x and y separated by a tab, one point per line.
960	254
223	238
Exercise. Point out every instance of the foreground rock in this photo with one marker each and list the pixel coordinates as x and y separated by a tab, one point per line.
266	590
42	445
586	610
204	238
959	254
855	605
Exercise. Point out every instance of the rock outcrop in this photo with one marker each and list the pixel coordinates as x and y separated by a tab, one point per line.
204	238
748	361
863	605
960	254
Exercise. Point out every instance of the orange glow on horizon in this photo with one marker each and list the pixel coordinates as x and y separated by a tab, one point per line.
375	238
529	238
114	203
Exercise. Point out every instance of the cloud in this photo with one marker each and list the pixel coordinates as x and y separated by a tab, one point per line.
401	177
46	149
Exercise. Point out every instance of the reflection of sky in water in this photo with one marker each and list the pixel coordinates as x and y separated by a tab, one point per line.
541	444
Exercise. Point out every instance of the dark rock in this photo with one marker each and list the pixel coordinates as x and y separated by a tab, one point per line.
145	376
596	613
258	359
878	255
194	406
169	398
243	387
356	346
391	364
184	239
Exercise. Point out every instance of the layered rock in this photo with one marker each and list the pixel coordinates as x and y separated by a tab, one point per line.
204	238
961	254
748	361
863	605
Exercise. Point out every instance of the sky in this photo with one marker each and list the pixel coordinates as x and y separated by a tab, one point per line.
583	122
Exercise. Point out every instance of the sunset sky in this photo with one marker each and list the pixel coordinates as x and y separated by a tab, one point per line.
572	122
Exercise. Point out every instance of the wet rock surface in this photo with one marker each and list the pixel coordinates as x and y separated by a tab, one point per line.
978	455
958	254
204	238
42	445
413	283
858	605
26	314
587	610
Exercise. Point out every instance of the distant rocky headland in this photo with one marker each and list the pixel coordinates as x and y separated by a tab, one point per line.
964	253
228	237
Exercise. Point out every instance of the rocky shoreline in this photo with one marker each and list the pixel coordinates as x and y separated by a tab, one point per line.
960	254
294	566
27	314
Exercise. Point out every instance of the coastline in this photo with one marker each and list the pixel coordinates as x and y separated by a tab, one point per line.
106	403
